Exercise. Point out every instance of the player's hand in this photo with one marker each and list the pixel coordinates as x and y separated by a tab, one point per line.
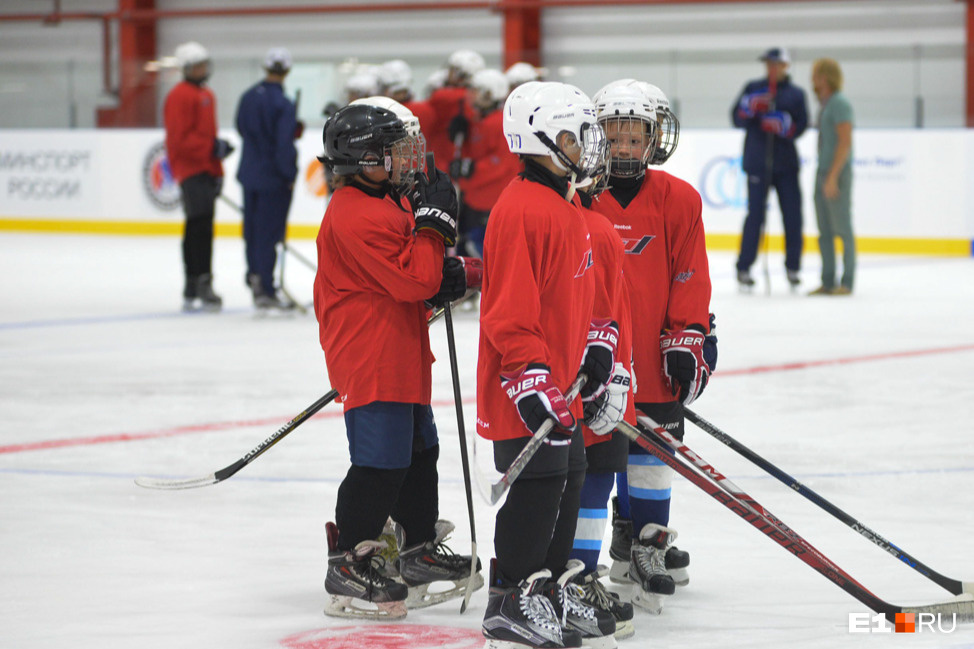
754	104
604	412
779	123
600	357
459	275
538	399
684	368
435	204
222	149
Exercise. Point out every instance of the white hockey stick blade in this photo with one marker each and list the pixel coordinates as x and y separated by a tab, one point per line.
190	483
961	606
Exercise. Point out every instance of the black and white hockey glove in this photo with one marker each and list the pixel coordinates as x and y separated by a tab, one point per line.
436	205
222	149
684	368
605	411
538	399
459	275
600	357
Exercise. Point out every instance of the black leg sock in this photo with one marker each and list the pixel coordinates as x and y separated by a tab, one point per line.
524	527
365	500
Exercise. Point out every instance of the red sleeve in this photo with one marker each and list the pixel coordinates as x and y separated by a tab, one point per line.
187	138
689	301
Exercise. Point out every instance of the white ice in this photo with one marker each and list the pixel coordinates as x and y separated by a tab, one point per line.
875	414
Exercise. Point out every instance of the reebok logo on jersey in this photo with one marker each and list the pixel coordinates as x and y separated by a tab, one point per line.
636	246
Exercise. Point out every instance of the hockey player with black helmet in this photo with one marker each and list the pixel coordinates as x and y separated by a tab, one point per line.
377	263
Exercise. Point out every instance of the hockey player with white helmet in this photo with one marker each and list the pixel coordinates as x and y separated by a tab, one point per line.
396	80
521	72
537	334
462	65
669	288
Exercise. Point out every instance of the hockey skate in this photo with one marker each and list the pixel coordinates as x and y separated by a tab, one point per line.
647	568
198	295
434	573
794	280
621	547
264	302
393	536
595	595
522	617
596	626
745	283
356	586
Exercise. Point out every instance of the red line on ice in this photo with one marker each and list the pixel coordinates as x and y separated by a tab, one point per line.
227	425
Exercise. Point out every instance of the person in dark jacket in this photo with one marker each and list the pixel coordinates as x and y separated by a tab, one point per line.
773	111
267	122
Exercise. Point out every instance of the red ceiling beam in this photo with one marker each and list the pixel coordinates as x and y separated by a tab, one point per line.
969	67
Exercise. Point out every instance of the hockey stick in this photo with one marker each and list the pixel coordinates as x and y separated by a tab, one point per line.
662	444
769	177
517	465
464	461
952	585
257	451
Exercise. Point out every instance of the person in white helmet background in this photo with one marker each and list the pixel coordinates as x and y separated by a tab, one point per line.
453	112
267	122
195	154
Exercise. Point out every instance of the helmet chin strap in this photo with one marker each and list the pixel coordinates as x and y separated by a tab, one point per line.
562	160
572	186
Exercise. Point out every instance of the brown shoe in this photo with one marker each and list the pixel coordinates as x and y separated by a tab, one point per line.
823	290
842	290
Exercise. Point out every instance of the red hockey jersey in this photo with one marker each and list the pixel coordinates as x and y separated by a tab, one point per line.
494	164
373	275
190	119
537	298
611	299
666	269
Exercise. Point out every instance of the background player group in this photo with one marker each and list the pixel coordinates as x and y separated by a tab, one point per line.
594	273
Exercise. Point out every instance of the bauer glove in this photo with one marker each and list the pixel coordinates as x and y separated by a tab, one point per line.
684	368
600	357
459	274
605	411
538	399
435	205
753	105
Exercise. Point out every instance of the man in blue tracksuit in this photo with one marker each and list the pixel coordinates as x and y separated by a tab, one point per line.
267	122
773	112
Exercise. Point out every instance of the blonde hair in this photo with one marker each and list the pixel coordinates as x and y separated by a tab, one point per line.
830	71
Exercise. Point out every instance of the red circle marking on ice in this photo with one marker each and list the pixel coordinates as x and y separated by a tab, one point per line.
386	636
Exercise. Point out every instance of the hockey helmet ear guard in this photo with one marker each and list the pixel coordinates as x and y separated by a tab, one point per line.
628	116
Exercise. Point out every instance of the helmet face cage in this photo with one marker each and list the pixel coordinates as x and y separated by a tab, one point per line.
669	135
595	158
632	143
404	159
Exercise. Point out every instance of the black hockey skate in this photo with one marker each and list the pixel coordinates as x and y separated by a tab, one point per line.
595	595
745	283
677	561
794	280
434	573
522	617
621	547
596	626
356	585
647	568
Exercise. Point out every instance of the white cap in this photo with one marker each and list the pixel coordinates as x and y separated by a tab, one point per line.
278	60
191	53
776	55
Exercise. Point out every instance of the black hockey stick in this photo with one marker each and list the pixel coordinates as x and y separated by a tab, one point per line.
517	465
464	462
663	445
257	451
952	585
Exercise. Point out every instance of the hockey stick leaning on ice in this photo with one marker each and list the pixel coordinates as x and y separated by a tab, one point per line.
662	444
464	461
517	465
257	451
952	585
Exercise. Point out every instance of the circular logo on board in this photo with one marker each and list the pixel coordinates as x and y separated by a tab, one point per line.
161	187
386	636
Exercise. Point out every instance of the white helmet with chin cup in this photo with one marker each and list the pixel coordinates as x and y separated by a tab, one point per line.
491	84
628	116
537	112
467	62
669	125
395	76
521	72
190	54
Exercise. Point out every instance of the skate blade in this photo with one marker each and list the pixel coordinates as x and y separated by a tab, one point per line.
625	629
421	597
619	572
681	576
600	642
650	602
353	607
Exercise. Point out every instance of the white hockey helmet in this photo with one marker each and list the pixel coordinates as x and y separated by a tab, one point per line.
521	72
361	84
628	116
395	76
190	54
491	85
537	112
410	121
466	62
669	125
435	81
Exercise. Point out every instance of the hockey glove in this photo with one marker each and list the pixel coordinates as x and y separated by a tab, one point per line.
221	149
604	412
778	123
459	274
753	105
600	357
710	345
436	204
458	126
538	399
684	368
461	168
298	130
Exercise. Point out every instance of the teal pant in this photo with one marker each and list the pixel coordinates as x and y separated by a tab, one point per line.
835	220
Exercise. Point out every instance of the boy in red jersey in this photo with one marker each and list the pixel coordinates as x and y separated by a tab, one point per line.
377	263
537	334
195	154
658	217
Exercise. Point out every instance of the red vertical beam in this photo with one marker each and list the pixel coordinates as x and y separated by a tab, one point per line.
522	33
969	64
136	86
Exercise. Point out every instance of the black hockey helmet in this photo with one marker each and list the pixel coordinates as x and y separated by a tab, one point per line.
360	136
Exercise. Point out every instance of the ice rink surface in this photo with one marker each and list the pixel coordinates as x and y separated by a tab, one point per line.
868	400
